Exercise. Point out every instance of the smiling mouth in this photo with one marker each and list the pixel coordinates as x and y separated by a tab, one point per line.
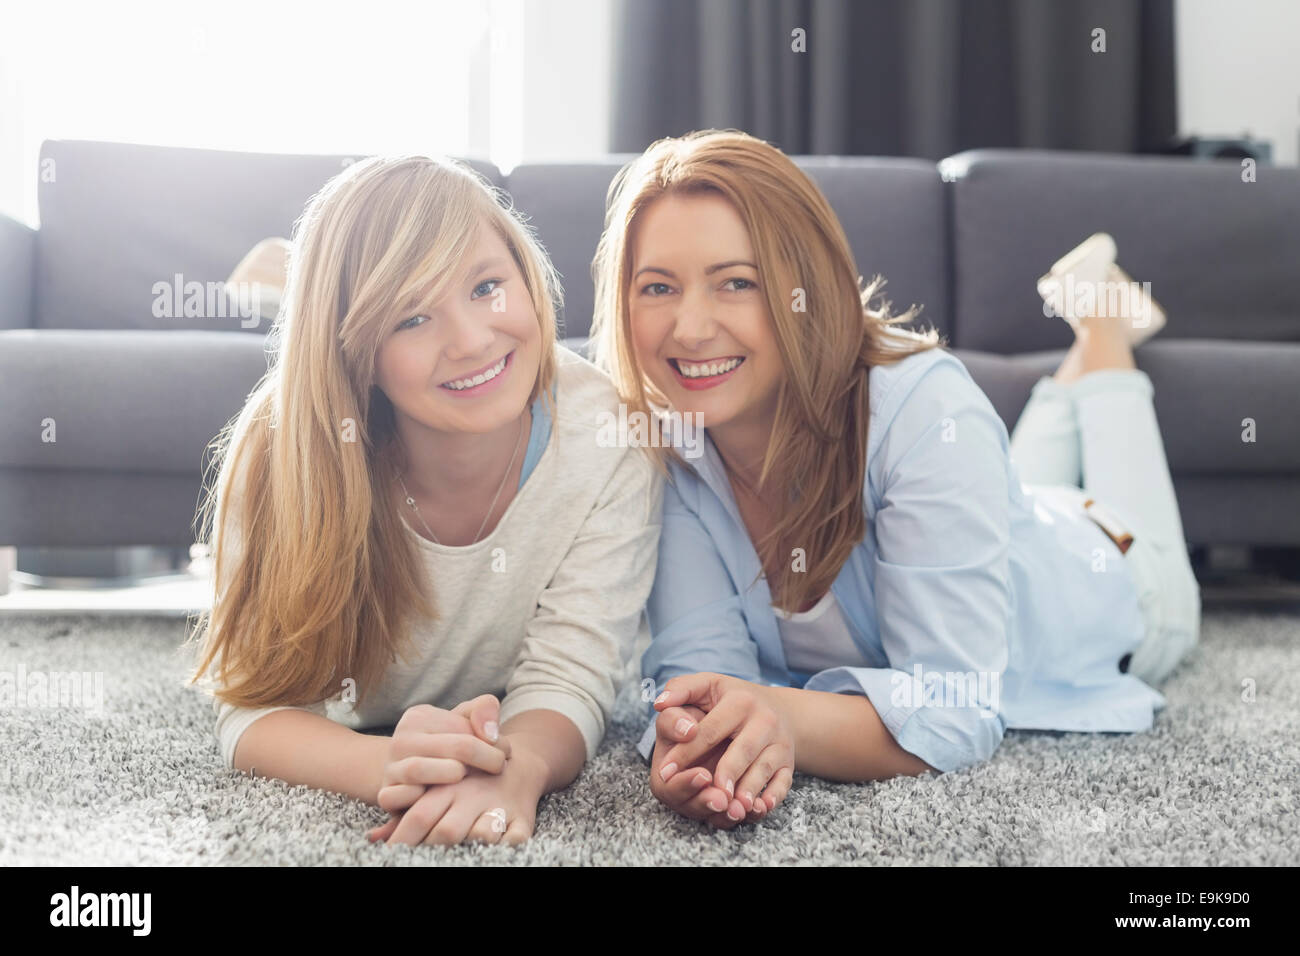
706	370
480	377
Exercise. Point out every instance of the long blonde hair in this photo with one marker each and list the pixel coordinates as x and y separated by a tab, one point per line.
817	449
328	577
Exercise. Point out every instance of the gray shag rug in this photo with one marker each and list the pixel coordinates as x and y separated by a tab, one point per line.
1213	783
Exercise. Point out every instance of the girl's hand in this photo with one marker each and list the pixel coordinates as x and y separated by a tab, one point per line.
482	808
431	746
757	763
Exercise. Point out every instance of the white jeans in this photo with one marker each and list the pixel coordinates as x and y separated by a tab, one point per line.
1099	433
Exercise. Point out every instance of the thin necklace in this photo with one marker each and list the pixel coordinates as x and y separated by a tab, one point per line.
740	480
411	501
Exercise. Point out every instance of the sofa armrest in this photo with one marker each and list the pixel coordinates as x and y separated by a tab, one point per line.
17	274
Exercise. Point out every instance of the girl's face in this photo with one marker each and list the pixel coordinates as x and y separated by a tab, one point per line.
700	328
469	362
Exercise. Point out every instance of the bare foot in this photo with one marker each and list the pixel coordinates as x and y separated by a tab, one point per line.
1099	343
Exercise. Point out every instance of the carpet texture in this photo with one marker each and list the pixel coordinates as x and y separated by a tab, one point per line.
1213	783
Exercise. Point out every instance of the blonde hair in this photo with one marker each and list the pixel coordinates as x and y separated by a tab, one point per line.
328	576
817	449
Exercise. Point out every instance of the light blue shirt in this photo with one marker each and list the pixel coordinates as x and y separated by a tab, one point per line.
538	438
980	605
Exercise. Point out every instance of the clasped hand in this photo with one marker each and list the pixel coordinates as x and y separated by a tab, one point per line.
723	753
449	777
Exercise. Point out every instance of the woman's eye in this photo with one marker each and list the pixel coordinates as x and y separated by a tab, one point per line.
745	284
406	323
478	289
654	285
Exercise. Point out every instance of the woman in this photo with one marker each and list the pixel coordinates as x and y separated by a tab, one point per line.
852	581
420	475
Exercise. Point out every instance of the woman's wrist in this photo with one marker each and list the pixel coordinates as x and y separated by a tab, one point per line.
780	700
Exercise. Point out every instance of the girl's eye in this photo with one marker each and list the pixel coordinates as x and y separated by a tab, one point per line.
479	287
654	285
746	284
483	288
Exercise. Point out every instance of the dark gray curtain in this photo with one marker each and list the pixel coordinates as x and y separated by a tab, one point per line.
924	78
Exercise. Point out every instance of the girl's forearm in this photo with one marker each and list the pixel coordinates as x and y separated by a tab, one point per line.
303	748
841	737
550	744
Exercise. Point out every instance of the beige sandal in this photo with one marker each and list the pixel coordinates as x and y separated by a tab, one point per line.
1091	266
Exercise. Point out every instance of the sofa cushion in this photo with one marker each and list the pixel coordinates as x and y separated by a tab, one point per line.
1204	391
121	400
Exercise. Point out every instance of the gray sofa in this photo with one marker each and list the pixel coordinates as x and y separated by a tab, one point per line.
135	398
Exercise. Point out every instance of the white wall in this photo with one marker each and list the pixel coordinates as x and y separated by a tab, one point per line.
1239	71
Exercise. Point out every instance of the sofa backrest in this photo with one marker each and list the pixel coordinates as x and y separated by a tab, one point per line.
565	204
892	210
966	239
118	218
1222	255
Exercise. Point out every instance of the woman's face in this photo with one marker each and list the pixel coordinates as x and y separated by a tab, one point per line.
467	363
700	327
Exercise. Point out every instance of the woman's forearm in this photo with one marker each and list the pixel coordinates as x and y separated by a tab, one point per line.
841	737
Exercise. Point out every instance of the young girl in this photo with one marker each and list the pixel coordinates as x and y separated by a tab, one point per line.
420	476
852	581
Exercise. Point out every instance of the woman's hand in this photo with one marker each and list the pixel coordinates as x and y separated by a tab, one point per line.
688	792
755	768
685	792
432	746
482	807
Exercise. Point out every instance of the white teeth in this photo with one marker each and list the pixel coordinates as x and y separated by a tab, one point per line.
707	369
463	383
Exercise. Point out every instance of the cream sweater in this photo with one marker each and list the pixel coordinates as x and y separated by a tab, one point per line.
546	610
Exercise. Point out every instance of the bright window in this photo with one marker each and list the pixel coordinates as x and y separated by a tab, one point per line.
378	76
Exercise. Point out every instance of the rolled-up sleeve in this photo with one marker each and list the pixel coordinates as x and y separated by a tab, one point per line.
580	641
232	721
695	610
942	575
